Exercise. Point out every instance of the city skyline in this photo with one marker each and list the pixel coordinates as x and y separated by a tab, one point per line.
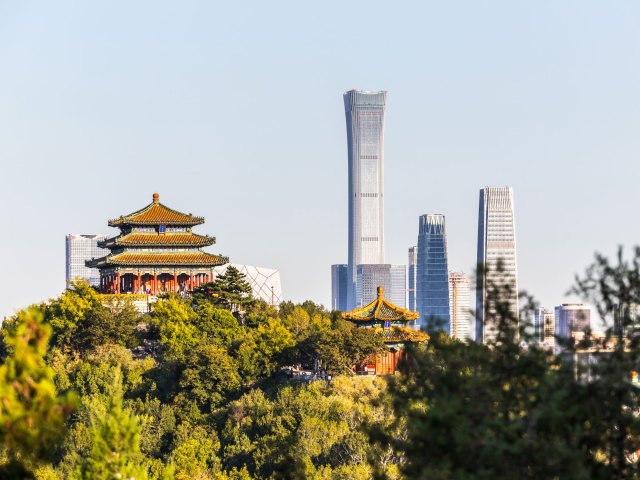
505	97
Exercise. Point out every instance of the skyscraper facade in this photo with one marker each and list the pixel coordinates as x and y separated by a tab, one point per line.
365	112
411	278
432	288
460	305
398	293
79	249
371	276
496	259
544	327
339	278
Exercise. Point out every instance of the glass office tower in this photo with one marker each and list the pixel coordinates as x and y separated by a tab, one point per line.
339	277
364	113
496	261
80	248
371	276
411	279
432	292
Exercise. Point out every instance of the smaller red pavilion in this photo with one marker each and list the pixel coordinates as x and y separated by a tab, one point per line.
391	321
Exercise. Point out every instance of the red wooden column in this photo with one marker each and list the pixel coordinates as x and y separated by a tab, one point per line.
155	283
139	283
118	282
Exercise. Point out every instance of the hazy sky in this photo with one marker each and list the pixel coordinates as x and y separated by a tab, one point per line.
233	111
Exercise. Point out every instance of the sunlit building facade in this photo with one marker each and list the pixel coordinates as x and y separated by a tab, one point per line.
432	276
460	306
365	113
544	327
496	260
79	249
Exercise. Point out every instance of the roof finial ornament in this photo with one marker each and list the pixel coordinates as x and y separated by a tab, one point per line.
380	291
156	198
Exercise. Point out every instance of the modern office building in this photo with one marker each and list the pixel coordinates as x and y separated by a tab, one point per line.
460	306
265	282
79	249
496	261
432	284
365	113
398	292
572	318
544	327
411	278
339	278
371	276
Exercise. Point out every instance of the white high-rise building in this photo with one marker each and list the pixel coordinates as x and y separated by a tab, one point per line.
79	249
497	266
365	113
460	306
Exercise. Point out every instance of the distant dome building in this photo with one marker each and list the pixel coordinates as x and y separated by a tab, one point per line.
156	251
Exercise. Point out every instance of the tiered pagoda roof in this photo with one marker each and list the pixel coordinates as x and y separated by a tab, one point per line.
155	214
157	236
390	319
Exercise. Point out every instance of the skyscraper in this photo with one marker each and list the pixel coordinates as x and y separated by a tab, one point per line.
79	249
411	278
339	277
460	305
432	294
371	276
364	113
496	257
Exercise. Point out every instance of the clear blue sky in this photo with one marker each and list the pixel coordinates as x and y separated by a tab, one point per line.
233	111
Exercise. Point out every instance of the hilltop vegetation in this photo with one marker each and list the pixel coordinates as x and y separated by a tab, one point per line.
199	390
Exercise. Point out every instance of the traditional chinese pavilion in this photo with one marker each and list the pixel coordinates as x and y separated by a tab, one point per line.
391	321
156	251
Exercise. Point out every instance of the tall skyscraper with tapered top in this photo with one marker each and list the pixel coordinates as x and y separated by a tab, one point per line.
432	276
497	266
365	142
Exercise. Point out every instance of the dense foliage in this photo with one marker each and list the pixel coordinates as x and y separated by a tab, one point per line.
202	389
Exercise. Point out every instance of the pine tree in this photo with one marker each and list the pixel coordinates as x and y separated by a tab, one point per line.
116	442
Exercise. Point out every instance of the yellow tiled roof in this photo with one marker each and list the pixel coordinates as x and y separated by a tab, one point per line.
154	239
133	258
398	335
380	309
156	214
